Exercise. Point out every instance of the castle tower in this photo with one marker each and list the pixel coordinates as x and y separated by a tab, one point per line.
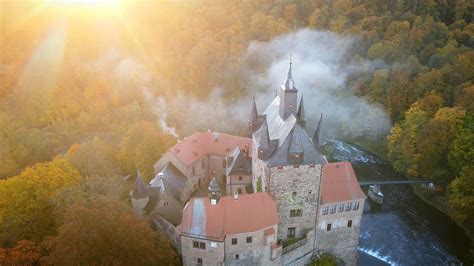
288	96
139	195
214	193
287	163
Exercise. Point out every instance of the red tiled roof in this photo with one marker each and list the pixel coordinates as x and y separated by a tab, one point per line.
248	213
340	183
201	144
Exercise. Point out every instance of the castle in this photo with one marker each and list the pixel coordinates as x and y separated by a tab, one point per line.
282	201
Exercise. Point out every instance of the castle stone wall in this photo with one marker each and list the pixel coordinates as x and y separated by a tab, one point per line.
304	181
341	241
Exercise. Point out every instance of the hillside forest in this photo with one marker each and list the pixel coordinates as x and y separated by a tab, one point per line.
83	89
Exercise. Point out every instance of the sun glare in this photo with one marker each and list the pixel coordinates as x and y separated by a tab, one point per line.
85	2
87	7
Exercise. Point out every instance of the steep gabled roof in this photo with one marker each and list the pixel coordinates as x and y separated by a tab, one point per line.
283	131
340	183
240	164
248	213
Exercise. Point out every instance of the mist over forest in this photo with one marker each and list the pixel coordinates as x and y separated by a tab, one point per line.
95	93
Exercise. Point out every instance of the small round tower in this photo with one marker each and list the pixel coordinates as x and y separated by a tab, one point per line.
214	193
139	195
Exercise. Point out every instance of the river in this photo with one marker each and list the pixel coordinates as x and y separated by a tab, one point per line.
404	230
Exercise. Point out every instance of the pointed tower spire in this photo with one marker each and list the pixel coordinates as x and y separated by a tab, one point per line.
317	139
301	113
289	82
289	70
255	120
254	114
288	96
139	191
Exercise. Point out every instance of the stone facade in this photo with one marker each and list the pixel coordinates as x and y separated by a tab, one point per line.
258	252
138	205
238	184
296	192
338	232
206	252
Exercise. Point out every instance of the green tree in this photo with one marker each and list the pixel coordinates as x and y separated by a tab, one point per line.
461	194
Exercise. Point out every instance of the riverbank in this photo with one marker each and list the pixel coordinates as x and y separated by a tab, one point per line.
440	203
437	201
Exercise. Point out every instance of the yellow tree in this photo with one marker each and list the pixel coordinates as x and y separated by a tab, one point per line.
141	148
25	208
115	236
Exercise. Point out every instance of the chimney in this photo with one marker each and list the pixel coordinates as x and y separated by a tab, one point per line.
236	195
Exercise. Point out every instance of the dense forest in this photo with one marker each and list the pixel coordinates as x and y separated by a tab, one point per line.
82	93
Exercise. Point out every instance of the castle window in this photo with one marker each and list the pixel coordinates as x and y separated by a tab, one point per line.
280	167
249	239
199	245
234	241
341	208
239	191
240	178
296	213
349	223
199	261
325	210
203	163
348	207
293	194
224	163
237	256
291	232
312	165
333	209
356	206
328	227
194	170
309	192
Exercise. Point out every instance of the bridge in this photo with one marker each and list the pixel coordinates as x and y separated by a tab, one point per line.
395	182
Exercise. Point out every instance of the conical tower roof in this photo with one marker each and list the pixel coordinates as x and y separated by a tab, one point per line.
213	185
289	83
254	113
139	191
301	113
317	139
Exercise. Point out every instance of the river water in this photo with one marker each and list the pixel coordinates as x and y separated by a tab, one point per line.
403	230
